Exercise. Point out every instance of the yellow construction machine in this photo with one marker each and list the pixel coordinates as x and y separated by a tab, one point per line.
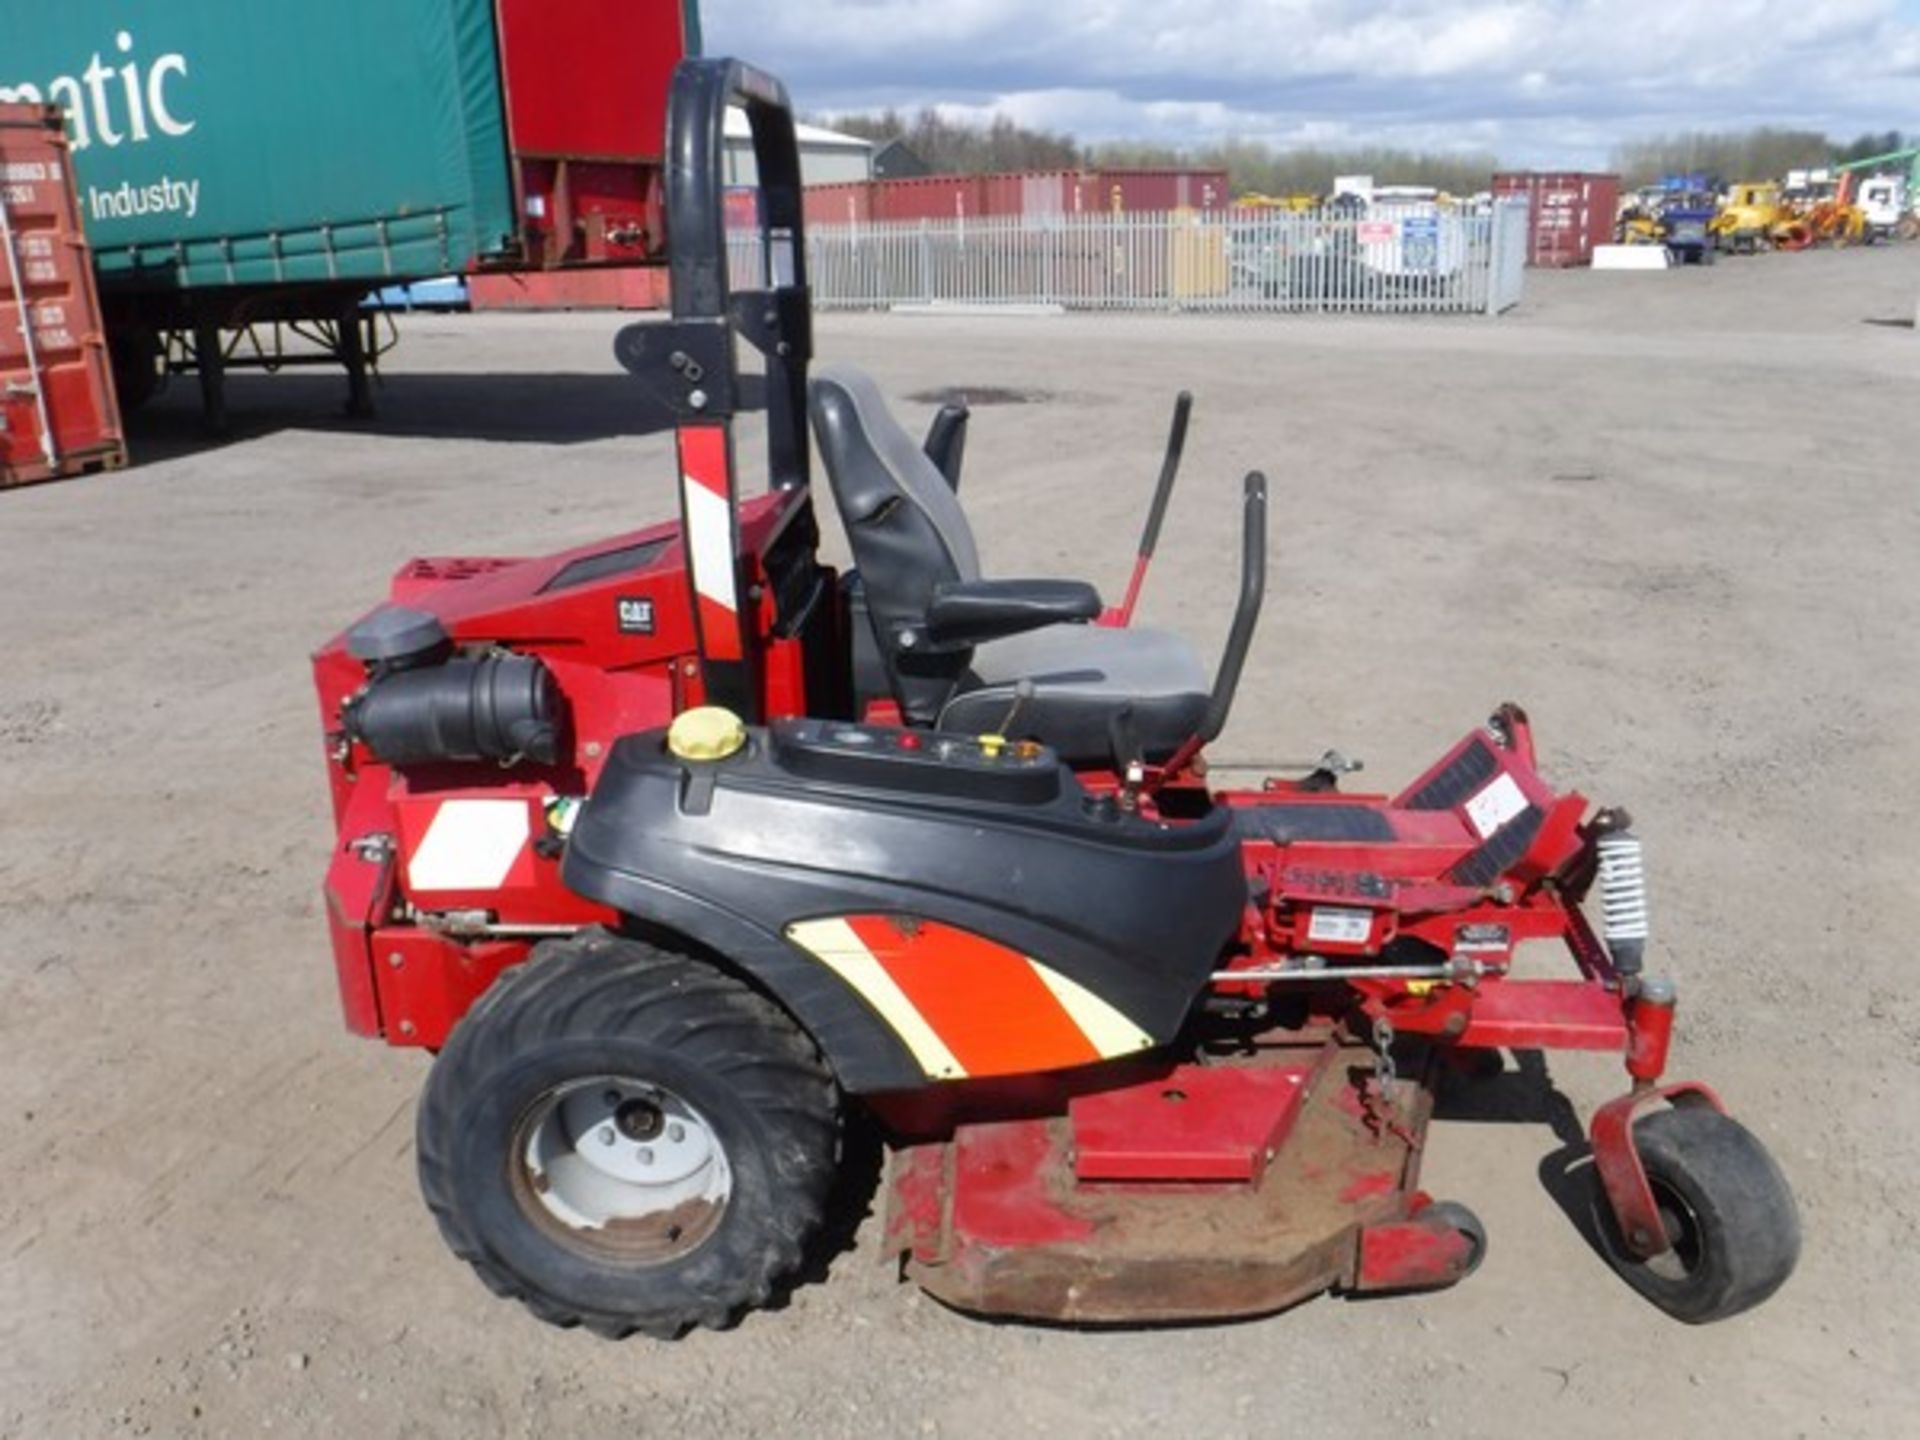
1756	217
1836	218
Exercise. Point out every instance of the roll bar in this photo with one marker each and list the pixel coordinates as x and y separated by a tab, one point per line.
689	365
777	320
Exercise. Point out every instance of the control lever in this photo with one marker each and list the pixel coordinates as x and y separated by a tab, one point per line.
992	742
1253	587
1127	758
1162	492
1022	697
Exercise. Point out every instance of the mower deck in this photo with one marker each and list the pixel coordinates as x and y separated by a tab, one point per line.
1218	1190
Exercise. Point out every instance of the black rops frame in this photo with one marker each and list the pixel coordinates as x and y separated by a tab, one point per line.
690	365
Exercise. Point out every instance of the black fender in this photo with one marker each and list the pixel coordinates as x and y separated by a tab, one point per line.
864	1052
802	823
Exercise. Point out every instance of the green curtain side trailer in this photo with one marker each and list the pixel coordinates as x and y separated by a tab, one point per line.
244	164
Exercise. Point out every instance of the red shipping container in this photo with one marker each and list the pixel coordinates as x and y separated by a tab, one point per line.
1135	192
930	197
1569	212
614	287
849	202
58	412
1026	192
1029	192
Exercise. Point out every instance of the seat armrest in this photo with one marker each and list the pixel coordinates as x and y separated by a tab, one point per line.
972	611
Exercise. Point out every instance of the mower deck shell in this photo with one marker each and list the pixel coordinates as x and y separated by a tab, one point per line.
994	1218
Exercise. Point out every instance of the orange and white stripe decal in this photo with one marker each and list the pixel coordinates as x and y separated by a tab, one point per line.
708	511
964	1005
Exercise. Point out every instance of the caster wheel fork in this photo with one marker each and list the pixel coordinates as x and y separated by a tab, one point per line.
1691	1210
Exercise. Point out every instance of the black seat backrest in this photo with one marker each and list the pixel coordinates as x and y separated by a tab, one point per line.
904	523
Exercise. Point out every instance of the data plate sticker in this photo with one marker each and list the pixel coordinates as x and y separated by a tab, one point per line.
1338	925
1482	938
1496	805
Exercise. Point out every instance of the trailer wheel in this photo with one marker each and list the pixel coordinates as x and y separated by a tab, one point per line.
1729	1217
628	1139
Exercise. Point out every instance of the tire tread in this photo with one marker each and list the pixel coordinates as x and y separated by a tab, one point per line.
598	984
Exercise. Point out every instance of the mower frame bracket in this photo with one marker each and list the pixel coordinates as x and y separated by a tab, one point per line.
679	360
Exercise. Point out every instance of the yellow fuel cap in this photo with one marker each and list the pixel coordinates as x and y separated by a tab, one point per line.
706	732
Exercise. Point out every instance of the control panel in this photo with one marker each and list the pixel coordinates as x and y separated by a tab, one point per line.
983	766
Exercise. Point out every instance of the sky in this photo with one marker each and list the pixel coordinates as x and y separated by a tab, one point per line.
1550	83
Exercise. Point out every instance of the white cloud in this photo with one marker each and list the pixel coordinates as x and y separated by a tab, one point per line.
1541	81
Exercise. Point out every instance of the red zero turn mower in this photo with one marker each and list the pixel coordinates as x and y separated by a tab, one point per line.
936	852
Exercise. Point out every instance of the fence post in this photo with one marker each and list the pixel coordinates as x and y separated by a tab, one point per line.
1496	256
1046	260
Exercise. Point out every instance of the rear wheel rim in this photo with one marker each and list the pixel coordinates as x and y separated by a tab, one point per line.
620	1169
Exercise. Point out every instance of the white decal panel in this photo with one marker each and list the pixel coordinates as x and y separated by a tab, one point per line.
1496	805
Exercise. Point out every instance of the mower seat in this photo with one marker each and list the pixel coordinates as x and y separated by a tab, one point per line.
1082	675
920	569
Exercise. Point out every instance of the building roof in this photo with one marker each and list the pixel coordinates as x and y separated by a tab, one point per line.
813	135
898	160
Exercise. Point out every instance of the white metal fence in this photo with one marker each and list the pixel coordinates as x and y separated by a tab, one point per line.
1419	258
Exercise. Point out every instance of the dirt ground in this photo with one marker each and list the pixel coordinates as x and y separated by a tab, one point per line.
1676	514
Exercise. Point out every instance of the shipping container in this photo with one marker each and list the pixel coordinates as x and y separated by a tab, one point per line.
613	287
1141	192
243	163
58	416
1027	192
930	197
1031	192
1569	213
847	203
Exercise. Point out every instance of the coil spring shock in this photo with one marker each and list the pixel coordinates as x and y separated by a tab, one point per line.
1623	899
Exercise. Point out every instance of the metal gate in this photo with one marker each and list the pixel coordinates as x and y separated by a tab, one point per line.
1412	258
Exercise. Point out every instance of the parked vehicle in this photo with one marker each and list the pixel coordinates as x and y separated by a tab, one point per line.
248	167
1902	169
1677	213
1687	207
1755	216
1887	203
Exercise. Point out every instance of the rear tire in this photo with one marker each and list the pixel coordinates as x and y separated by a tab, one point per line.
628	1139
1730	1218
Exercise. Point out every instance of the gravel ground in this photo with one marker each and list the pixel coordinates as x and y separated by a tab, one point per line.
1675	514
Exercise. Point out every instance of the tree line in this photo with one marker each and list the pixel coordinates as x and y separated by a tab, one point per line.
952	146
1762	153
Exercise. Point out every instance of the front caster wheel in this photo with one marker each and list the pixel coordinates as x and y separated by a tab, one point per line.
1731	1223
628	1139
